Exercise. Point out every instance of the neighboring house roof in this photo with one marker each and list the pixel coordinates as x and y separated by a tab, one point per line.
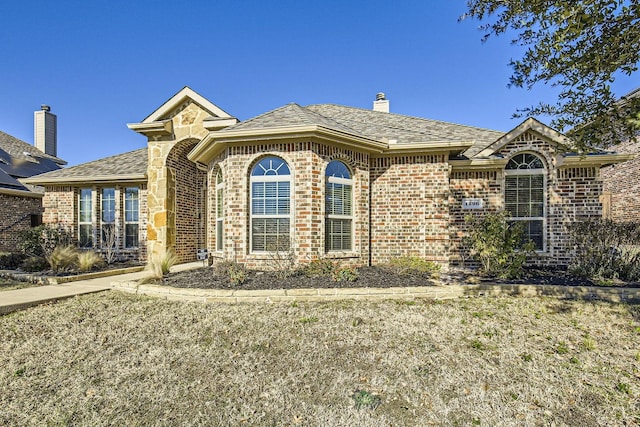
18	160
130	166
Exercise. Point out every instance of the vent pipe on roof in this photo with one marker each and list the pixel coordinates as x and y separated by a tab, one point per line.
381	103
45	131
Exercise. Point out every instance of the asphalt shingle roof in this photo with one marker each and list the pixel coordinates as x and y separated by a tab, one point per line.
130	163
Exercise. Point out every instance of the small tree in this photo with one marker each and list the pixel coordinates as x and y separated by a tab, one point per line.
498	245
109	243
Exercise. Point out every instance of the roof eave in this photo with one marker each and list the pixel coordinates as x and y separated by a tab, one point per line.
21	193
598	160
86	179
478	164
214	143
455	147
162	127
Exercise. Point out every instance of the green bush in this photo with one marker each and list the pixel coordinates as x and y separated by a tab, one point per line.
11	261
498	246
345	274
605	249
34	264
237	274
411	265
41	241
319	268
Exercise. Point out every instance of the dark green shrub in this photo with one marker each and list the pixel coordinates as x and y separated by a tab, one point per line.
497	245
40	241
605	249
345	274
34	264
319	268
11	261
411	265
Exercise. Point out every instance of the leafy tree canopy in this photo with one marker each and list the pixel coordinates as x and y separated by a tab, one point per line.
580	46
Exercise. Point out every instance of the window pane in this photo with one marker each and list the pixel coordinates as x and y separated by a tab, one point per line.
219	231
338	169
270	234
108	205
131	205
131	235
338	232
270	166
85	236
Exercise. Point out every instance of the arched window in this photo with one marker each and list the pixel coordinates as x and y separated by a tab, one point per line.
525	195
219	211
338	207
270	205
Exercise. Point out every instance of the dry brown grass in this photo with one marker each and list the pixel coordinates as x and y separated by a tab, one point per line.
11	285
115	359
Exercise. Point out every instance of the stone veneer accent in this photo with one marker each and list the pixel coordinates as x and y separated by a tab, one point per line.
622	185
15	216
167	178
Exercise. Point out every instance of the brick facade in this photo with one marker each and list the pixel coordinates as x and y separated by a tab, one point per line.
61	206
622	186
15	216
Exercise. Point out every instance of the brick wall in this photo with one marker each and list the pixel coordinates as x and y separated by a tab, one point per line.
410	208
622	185
60	204
189	210
307	162
15	216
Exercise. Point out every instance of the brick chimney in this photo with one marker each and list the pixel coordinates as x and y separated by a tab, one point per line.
381	103
45	131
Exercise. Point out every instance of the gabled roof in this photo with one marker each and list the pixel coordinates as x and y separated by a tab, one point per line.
18	160
130	166
177	99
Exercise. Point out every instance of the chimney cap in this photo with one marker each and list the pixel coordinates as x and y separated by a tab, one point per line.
380	96
45	107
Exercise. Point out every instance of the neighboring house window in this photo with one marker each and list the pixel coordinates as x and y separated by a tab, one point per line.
525	195
108	217
270	205
219	210
85	227
338	207
131	217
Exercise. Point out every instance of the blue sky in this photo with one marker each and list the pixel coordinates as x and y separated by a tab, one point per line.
101	65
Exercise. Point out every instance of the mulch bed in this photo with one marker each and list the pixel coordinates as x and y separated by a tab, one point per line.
368	277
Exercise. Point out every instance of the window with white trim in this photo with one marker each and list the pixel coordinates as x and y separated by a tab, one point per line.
108	217
338	207
85	226
219	211
270	205
525	195
131	217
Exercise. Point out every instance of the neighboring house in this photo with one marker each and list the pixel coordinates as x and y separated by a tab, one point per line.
621	197
20	203
359	186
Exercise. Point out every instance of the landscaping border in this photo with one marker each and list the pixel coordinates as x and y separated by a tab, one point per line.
58	280
439	292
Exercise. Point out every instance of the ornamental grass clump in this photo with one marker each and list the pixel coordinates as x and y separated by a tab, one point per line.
406	265
159	265
87	260
63	258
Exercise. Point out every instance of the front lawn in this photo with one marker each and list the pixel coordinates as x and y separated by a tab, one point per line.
117	359
10	285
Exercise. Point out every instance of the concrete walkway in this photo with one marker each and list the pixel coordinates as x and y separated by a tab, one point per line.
19	299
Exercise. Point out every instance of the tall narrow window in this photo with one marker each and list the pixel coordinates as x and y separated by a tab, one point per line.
108	217
219	211
85	228
525	195
131	217
338	207
270	205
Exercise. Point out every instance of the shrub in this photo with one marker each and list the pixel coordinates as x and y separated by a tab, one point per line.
320	268
34	264
345	274
281	258
87	260
605	249
237	273
11	261
497	245
42	240
63	258
410	265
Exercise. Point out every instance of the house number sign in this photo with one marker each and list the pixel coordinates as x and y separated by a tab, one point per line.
472	204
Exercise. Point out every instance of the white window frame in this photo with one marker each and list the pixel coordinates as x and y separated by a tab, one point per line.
85	223
269	178
219	211
530	172
102	214
131	222
330	216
